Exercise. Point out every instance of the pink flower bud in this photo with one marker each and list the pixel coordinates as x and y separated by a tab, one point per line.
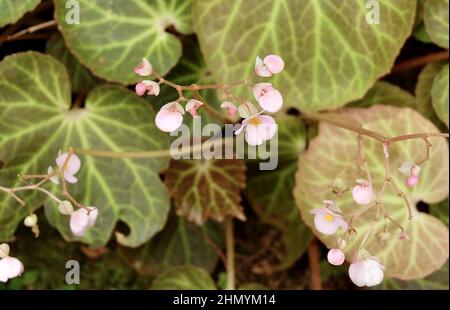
231	108
412	180
151	87
170	117
412	171
271	64
144	69
268	97
192	106
71	167
10	267
336	257
366	272
81	220
363	192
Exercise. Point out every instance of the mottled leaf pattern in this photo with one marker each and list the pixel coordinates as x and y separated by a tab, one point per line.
114	35
334	149
36	121
332	54
204	189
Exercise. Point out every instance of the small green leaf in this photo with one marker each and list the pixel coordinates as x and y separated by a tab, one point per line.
113	36
184	278
180	243
439	94
12	10
423	90
440	210
386	93
81	79
332	54
204	189
436	21
36	120
333	151
270	192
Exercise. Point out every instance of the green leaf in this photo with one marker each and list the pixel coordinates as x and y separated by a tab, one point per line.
180	243
204	189
436	21
332	55
11	10
82	80
439	94
36	121
270	192
113	36
333	151
253	287
423	90
420	33
386	93
184	278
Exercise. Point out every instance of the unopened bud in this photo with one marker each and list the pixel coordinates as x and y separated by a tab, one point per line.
341	243
65	207
4	250
31	220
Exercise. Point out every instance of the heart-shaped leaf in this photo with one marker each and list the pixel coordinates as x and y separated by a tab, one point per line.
11	11
334	149
439	94
81	79
180	243
332	53
113	36
37	120
270	192
436	21
204	189
184	278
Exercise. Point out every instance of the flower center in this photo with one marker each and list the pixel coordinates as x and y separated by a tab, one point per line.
328	217
254	121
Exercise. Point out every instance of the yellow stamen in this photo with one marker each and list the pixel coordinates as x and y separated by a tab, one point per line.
328	217
254	121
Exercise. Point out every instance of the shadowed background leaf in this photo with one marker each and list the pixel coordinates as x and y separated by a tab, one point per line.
184	278
439	94
436	21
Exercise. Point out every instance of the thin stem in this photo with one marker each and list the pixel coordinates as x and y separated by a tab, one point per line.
420	61
29	30
229	239
314	265
209	109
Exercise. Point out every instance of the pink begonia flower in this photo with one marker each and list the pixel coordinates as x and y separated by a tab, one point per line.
10	267
170	117
145	68
412	171
268	97
326	221
231	108
71	168
247	109
271	64
65	207
192	106
151	87
366	272
336	257
363	192
53	179
80	220
258	128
